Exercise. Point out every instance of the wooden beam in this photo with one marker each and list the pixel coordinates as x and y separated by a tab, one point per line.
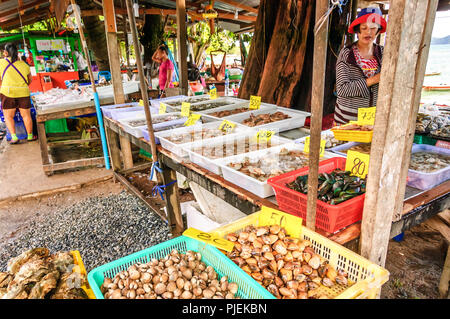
182	45
35	5
240	5
319	66
422	53
396	92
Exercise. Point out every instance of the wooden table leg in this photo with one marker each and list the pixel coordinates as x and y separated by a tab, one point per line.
113	147
173	203
43	145
444	292
127	156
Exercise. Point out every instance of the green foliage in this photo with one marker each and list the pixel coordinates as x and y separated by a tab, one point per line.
221	39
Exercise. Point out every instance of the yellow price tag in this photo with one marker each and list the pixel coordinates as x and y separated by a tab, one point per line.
227	126
357	163
307	143
255	102
213	94
185	109
218	242
162	108
141	102
366	115
264	135
291	223
192	119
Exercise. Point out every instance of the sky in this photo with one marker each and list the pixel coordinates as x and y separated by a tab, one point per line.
442	24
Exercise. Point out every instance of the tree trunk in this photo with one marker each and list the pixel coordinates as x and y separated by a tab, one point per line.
279	64
151	35
258	50
96	37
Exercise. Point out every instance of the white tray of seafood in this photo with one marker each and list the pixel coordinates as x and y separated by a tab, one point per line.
175	104
213	104
208	154
224	112
429	166
280	119
177	140
156	102
252	170
134	125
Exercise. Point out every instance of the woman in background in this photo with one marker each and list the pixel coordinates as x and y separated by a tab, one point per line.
166	68
14	91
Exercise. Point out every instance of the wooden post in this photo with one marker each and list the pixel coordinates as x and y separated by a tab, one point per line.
399	77
415	103
182	45
173	207
319	65
144	87
116	75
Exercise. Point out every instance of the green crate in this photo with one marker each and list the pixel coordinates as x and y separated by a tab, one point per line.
56	126
236	77
423	139
144	154
211	256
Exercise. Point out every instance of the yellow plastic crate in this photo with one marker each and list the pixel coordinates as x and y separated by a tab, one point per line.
366	277
80	269
352	136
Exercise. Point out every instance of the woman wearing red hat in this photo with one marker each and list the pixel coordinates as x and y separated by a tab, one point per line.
358	67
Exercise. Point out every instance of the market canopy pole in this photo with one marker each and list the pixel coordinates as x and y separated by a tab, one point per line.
318	78
116	75
182	45
407	37
144	89
91	76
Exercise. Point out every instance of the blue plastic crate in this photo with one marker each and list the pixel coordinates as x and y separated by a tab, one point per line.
211	256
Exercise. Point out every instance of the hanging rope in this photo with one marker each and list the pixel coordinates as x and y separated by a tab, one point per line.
155	165
21	28
334	4
160	189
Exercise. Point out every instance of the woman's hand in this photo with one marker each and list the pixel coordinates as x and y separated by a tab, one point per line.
373	80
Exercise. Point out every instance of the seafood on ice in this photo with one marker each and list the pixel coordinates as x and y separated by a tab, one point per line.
428	162
265	118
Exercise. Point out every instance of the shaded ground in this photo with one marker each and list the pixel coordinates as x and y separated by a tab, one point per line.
415	264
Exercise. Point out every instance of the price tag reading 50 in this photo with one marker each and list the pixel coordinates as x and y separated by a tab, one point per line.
227	126
255	102
322	146
218	242
264	136
357	163
291	223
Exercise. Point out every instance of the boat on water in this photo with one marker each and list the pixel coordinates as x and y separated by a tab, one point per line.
432	73
436	88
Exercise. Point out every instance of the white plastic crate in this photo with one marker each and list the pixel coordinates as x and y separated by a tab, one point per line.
179	149
296	120
107	109
227	99
213	165
261	189
176	104
136	130
156	102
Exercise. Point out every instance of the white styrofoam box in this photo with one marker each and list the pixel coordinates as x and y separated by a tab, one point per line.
106	109
108	90
129	115
264	106
261	189
136	131
213	165
155	102
296	120
62	104
229	100
198	220
179	149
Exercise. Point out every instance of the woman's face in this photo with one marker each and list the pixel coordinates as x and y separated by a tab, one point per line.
5	53
367	32
162	54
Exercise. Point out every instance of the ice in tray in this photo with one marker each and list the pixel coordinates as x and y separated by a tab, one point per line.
193	99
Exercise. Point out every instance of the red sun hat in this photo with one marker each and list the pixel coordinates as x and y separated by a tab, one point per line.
372	15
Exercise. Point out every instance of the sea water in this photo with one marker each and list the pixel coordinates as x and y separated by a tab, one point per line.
438	61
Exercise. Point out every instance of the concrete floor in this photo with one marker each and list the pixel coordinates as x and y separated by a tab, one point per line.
21	172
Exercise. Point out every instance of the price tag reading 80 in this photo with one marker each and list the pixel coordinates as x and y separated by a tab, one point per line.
357	163
218	242
292	224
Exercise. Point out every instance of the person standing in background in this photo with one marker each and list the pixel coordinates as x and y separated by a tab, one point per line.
14	91
166	68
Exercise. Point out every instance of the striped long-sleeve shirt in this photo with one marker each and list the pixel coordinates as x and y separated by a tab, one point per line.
351	87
